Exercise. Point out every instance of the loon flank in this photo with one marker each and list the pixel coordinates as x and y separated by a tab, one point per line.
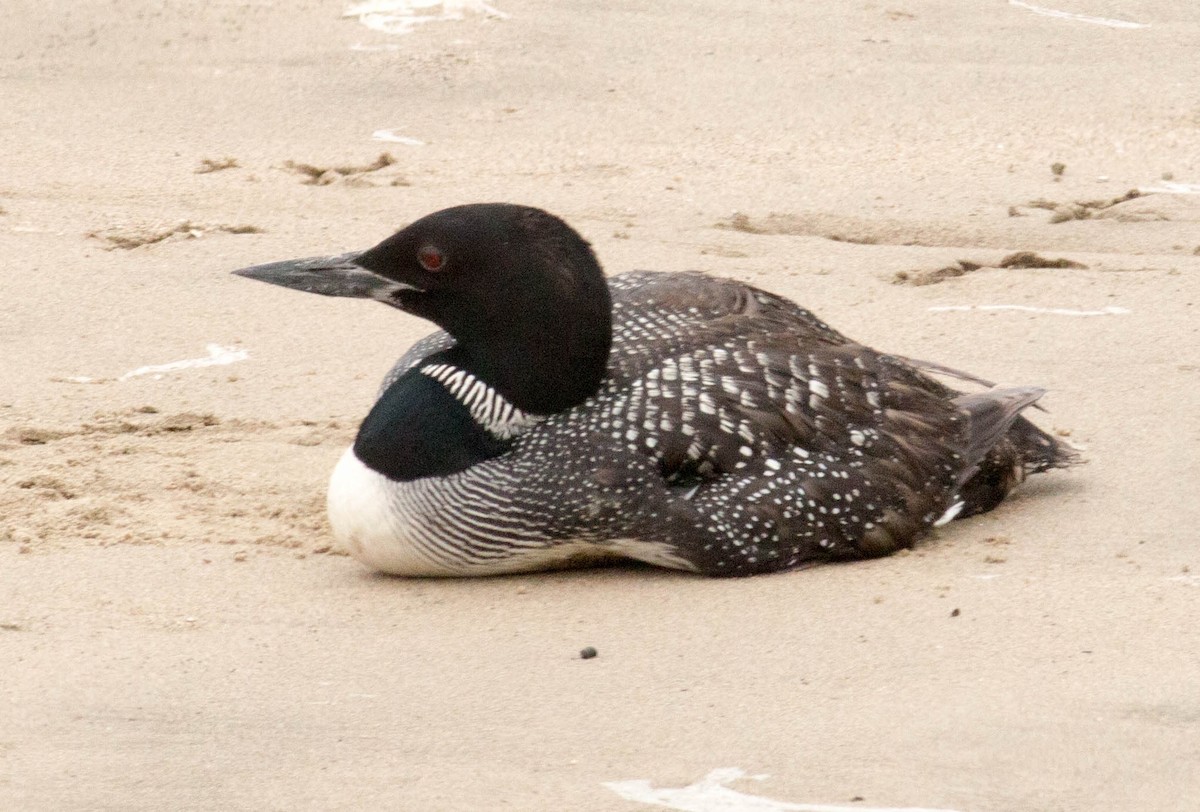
683	420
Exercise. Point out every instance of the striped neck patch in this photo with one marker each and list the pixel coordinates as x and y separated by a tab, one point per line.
488	408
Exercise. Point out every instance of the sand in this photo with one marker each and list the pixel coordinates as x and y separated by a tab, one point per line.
176	631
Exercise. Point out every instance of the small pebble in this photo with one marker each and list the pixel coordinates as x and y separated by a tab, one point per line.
587	653
955	613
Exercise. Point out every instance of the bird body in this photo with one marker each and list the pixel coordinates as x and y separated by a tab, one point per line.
683	420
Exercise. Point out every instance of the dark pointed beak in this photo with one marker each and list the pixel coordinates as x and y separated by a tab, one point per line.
328	276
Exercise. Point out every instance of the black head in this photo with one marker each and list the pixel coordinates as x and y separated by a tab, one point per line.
519	289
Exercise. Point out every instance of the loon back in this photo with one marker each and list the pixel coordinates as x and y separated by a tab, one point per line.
728	430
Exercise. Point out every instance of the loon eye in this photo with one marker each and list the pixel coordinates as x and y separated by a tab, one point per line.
431	258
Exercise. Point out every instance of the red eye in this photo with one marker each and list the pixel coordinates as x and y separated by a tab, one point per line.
431	258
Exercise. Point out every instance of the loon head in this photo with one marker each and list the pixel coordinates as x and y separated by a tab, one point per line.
519	290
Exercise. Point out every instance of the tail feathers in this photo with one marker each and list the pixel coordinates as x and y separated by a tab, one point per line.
1018	448
1037	451
990	415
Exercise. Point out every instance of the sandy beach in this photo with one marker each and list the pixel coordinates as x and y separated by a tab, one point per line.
178	630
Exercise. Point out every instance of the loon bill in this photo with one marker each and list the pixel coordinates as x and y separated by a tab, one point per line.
683	420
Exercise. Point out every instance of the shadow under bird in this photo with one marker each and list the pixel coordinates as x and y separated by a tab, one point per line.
683	420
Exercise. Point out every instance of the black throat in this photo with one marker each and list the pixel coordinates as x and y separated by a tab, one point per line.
419	429
521	292
531	315
544	353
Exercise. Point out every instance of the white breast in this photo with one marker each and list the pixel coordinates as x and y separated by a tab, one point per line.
371	523
460	525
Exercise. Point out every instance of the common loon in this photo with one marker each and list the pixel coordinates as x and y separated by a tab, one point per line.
679	419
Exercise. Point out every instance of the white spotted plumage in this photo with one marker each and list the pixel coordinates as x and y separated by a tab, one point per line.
685	420
768	445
